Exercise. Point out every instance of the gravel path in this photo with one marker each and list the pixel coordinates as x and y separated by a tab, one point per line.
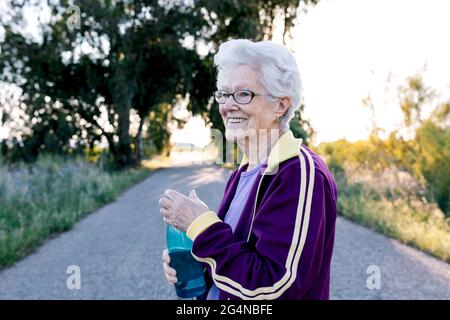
118	250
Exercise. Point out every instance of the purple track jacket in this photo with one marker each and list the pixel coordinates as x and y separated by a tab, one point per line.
283	242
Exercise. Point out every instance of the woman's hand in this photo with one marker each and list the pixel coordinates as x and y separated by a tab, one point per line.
179	210
171	273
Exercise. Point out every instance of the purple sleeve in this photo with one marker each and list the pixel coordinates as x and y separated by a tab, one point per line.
285	254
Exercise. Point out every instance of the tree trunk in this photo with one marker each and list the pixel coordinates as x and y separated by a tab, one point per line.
123	132
122	89
138	154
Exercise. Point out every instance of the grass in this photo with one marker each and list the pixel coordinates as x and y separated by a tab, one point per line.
393	207
40	200
398	214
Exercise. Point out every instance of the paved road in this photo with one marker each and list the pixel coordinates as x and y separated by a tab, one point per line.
118	250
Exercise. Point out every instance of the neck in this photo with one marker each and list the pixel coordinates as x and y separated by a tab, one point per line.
257	146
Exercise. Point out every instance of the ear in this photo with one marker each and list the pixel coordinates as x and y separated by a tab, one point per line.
283	104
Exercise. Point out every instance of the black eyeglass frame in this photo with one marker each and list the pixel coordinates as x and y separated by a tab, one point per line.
252	95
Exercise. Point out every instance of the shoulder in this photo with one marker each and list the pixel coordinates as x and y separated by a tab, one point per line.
309	164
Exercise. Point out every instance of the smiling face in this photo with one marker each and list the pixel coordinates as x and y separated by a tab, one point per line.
243	120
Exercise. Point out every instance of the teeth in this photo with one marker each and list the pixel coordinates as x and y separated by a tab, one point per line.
236	120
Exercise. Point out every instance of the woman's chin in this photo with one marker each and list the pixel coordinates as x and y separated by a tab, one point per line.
233	134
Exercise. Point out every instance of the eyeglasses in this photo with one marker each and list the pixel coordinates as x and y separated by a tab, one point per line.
240	96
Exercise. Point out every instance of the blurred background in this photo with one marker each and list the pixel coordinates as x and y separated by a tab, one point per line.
97	94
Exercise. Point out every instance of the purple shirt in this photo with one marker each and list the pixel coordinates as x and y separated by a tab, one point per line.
246	182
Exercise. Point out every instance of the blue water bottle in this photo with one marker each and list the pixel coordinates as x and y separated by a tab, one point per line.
191	282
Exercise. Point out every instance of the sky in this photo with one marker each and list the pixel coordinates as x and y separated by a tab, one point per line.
346	50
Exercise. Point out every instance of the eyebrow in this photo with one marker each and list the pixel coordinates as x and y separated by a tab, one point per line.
238	87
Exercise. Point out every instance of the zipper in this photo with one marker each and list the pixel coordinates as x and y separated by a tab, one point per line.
254	206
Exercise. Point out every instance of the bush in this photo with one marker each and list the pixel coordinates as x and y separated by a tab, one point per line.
49	197
395	210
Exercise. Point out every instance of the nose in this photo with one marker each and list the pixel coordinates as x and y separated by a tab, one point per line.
230	105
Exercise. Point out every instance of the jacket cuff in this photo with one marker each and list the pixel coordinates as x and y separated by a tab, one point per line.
202	222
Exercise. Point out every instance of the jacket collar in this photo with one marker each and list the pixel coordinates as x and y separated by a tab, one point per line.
285	148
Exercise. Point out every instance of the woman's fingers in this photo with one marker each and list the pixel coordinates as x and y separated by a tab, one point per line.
169	272
171	280
166	261
163	211
166	257
172	194
165	202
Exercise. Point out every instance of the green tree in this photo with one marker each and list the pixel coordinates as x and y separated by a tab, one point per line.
301	127
434	164
136	60
426	153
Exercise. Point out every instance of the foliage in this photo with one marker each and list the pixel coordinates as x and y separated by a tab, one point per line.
79	85
301	127
425	156
49	196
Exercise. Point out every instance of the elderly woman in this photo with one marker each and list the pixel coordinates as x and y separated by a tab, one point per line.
273	233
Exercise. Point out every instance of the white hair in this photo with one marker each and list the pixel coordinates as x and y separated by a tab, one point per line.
276	65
